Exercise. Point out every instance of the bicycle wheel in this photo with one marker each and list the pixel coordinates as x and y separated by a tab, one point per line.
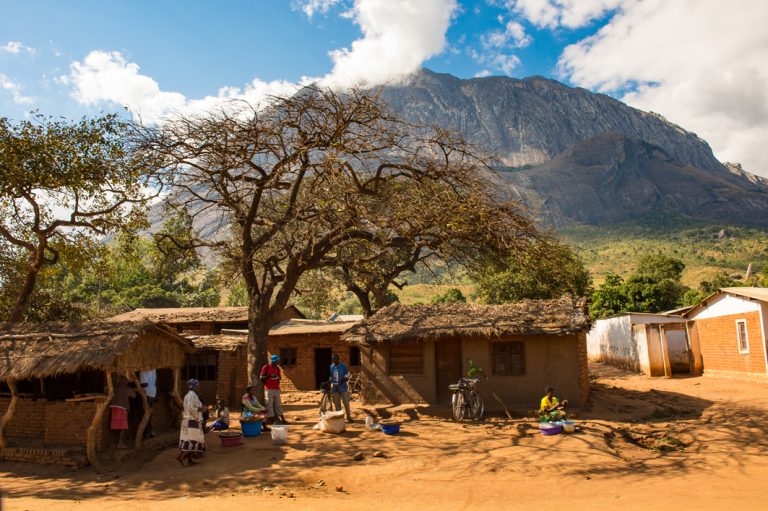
477	407
459	407
325	403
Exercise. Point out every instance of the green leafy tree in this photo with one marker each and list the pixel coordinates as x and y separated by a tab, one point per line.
660	267
453	295
63	186
719	280
609	298
549	269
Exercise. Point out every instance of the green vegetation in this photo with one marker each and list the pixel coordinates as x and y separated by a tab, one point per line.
616	249
549	270
453	295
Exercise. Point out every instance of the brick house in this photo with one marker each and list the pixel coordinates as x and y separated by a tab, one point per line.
411	354
56	384
218	361
727	333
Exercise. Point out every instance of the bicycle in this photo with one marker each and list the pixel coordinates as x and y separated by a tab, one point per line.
466	403
326	403
355	387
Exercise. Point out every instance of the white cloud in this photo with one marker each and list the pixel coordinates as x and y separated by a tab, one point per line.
310	7
15	90
398	36
15	47
110	77
513	35
703	64
562	13
483	73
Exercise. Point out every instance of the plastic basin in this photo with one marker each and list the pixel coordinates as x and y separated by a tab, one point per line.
549	428
230	439
569	427
390	429
251	428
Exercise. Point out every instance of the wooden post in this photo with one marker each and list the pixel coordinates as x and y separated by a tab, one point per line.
98	420
665	352
9	413
175	394
147	413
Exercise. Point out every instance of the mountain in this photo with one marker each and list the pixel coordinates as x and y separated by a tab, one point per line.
610	179
577	157
531	120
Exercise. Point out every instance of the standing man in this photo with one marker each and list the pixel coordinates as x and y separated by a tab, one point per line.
339	390
270	377
149	384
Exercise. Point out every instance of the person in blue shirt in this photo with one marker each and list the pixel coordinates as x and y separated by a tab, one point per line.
339	391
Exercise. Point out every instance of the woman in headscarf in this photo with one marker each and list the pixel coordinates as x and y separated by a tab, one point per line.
252	409
192	438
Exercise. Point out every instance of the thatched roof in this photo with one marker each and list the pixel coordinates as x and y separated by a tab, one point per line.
195	315
310	327
48	349
400	323
219	342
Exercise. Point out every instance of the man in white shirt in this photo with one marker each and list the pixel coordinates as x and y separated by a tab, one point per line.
149	384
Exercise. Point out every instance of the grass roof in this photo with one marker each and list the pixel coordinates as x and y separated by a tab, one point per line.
47	349
401	323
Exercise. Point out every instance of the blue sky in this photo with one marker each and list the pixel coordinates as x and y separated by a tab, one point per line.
688	60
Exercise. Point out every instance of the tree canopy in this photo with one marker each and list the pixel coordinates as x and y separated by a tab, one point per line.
549	269
312	178
63	185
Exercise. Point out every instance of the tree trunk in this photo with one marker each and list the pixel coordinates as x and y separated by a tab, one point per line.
258	333
6	420
19	310
147	413
97	423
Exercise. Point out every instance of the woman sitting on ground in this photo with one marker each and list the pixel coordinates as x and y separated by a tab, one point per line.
551	409
252	409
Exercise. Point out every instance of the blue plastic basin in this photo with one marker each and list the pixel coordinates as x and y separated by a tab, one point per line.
390	429
251	428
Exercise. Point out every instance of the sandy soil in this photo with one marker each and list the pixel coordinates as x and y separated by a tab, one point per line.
644	443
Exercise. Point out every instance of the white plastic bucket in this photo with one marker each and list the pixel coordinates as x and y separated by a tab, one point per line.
279	433
569	426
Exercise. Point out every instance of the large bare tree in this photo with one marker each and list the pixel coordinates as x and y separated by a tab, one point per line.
63	186
305	180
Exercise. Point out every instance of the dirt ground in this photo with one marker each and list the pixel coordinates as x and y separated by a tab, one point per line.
643	443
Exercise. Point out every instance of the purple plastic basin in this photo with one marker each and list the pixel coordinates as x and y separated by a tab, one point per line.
550	429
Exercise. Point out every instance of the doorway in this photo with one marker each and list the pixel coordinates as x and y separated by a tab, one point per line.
448	366
322	365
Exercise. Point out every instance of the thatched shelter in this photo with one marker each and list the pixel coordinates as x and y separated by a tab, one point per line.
79	361
411	353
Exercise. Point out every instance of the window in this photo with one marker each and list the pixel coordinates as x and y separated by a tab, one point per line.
354	355
288	357
200	366
741	335
508	358
406	358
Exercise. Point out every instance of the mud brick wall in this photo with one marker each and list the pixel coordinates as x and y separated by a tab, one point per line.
68	423
583	367
28	423
720	347
63	457
232	376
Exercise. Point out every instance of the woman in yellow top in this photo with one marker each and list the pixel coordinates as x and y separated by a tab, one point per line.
551	409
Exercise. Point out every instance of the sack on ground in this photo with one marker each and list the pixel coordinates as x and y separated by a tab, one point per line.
333	422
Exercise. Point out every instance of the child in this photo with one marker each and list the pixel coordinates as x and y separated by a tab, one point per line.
222	422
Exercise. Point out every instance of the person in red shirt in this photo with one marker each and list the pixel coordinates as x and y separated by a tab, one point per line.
270	376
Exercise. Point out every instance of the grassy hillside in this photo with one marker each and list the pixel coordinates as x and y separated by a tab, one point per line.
616	249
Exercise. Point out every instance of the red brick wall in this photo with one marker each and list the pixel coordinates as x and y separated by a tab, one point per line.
583	367
233	376
720	348
302	377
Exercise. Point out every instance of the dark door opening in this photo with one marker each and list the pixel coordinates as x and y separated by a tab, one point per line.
448	366
322	365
